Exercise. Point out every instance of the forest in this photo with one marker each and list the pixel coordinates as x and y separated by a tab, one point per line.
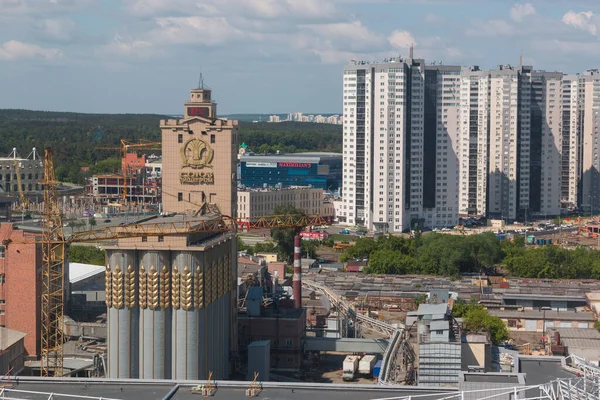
77	138
452	255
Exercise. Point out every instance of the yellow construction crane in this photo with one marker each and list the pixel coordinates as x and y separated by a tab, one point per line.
127	145
24	201
55	248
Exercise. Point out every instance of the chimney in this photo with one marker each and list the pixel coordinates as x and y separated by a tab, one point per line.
297	279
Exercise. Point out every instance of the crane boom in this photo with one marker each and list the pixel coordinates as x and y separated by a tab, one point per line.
221	223
53	275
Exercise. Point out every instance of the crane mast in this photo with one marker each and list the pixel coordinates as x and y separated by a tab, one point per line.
55	247
53	275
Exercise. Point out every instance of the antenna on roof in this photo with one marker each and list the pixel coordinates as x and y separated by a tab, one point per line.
521	59
412	51
201	82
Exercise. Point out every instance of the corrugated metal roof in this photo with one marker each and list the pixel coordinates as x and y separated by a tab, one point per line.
549	315
79	272
433	309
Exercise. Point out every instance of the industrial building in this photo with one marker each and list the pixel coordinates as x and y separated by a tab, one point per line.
30	170
319	170
171	299
20	285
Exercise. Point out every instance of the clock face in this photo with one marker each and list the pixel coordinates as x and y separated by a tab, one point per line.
198	112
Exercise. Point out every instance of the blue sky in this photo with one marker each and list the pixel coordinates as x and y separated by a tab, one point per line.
263	56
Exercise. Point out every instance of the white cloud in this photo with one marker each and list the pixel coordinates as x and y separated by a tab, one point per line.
127	47
11	7
193	30
15	50
268	9
518	11
346	36
581	20
401	39
492	28
60	29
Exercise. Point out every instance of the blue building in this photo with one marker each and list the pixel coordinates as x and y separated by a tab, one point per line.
319	170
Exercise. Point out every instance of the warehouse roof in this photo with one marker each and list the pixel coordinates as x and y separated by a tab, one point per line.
547	315
79	271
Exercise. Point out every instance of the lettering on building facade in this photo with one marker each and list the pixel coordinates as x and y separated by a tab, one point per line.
193	178
295	164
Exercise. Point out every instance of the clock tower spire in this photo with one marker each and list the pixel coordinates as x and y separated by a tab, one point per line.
200	103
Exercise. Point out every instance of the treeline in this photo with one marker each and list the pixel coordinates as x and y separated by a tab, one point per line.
451	255
551	262
78	138
87	255
290	137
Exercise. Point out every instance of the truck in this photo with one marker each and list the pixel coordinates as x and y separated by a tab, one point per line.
365	366
377	369
349	368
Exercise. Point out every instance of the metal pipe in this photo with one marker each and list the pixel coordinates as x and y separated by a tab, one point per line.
297	278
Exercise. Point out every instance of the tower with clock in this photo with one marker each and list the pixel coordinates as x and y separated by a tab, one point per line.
200	103
199	158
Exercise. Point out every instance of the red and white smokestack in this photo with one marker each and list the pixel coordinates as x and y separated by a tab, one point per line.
297	279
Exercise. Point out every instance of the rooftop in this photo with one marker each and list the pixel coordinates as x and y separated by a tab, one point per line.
432	309
135	389
549	315
8	337
79	272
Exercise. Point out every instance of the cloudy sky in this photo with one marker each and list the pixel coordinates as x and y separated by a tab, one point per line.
263	56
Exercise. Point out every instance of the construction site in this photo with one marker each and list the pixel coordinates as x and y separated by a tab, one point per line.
181	313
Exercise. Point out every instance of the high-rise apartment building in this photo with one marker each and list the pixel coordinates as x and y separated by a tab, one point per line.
396	113
571	124
425	144
589	99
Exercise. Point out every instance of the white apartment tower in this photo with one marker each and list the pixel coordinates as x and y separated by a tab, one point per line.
571	130
395	113
473	141
425	144
590	140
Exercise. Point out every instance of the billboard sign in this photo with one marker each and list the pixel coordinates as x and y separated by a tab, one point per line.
252	164
289	164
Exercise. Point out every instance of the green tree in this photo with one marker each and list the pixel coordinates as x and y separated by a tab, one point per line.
87	255
92	222
477	319
284	237
309	248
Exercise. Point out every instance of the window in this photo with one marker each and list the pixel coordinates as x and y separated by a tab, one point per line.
2	249
161	238
289	342
179	196
2	278
180	138
212	138
144	238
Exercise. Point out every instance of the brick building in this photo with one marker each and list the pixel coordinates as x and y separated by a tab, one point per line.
20	285
284	327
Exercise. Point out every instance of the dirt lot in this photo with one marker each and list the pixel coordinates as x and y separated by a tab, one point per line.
329	370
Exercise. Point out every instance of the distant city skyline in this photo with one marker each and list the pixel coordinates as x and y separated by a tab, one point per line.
140	56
